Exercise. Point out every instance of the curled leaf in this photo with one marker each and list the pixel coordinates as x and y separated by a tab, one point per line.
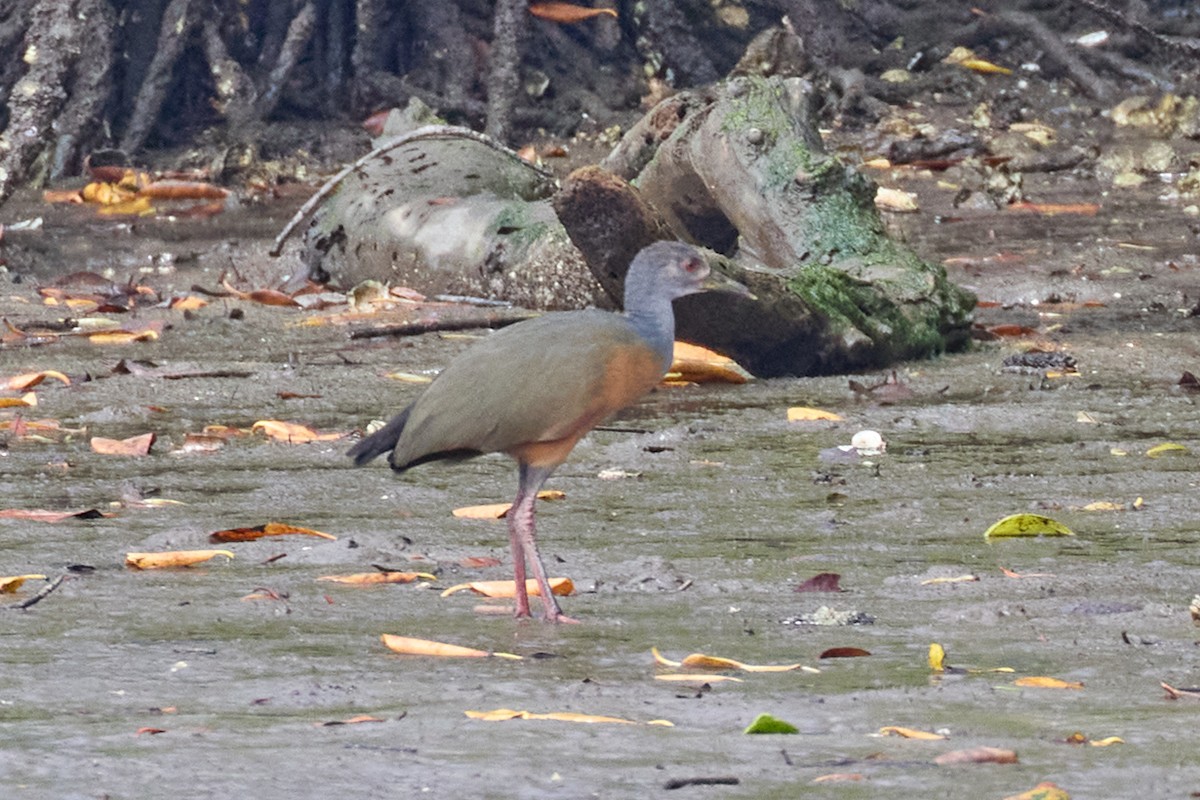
1027	525
375	578
558	586
694	364
806	414
1043	682
697	678
11	583
267	529
173	558
909	733
566	12
292	432
28	380
427	647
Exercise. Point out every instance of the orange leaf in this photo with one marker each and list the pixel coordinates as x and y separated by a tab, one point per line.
977	755
701	365
910	733
500	510
11	583
27	400
1043	791
292	432
62	196
133	446
268	529
373	578
148	334
187	303
1042	682
183	190
271	297
566	12
27	380
173	558
425	647
559	586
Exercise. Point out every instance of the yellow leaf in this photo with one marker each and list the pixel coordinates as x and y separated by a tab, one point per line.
1105	742
500	510
937	657
699	677
1043	791
805	414
910	733
123	337
426	647
701	365
27	400
1103	505
1027	525
1166	448
174	558
408	377
895	200
559	586
374	578
10	584
701	661
1043	682
954	579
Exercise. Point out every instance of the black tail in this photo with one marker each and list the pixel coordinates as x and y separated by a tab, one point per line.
381	441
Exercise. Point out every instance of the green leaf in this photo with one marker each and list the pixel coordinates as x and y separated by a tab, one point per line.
765	723
1027	525
1166	448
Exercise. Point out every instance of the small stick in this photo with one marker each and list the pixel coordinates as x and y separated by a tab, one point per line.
42	594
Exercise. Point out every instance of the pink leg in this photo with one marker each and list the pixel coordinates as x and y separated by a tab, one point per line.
522	534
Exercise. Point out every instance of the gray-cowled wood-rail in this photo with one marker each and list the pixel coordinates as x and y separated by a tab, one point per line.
534	389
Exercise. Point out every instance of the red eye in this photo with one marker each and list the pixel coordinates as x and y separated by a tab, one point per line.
692	265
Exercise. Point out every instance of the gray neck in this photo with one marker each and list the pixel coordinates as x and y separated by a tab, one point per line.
649	311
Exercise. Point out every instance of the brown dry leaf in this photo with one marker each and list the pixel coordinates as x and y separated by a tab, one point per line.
1043	682
27	400
271	297
123	337
698	678
172	558
954	579
375	578
355	720
845	652
909	733
566	12
426	647
266	529
805	414
27	380
200	443
42	515
1043	791
133	446
558	586
697	364
183	190
500	510
150	731
821	582
11	583
977	755
292	432
504	714
187	303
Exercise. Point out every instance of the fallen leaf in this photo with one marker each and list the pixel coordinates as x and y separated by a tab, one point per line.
1054	209
1027	525
356	720
805	414
133	446
977	755
173	558
1176	693
844	652
266	529
895	200
1166	448
566	12
374	578
838	777
426	647
1008	573
697	364
701	661
42	515
11	583
182	190
1043	791
558	586
200	443
150	731
479	562
1043	682
124	337
500	510
697	678
27	380
27	400
909	733
821	582
954	579
937	657
765	723
1106	742
292	432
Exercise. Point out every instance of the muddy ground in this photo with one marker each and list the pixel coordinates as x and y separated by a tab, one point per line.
730	509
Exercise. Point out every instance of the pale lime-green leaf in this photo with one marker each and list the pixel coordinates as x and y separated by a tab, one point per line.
1027	525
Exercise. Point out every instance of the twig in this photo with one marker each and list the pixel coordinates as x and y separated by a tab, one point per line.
434	325
1188	46
426	132
42	594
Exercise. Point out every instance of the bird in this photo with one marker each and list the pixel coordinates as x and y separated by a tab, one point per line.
532	390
